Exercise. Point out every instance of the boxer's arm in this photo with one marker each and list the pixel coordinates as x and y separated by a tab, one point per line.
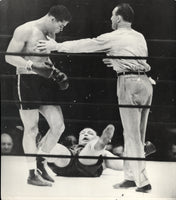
115	164
16	45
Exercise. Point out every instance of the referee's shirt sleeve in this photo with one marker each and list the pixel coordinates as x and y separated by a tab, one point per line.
99	44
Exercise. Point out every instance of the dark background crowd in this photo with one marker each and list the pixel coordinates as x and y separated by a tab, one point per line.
91	98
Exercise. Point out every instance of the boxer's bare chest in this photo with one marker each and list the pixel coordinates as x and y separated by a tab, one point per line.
30	46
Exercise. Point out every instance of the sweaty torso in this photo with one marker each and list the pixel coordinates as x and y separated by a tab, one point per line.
34	35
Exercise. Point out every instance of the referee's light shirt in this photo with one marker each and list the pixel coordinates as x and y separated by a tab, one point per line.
121	42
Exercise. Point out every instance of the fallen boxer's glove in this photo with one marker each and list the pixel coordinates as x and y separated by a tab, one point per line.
47	70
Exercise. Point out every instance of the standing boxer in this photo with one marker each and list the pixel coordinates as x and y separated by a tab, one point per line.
133	85
37	78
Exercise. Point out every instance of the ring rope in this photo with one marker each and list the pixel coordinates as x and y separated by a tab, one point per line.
6	76
67	103
101	55
95	121
87	104
87	157
76	38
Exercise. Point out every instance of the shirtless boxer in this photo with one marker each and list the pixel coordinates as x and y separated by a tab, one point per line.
89	145
36	80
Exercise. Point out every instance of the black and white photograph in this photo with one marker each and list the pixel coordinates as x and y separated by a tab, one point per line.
88	99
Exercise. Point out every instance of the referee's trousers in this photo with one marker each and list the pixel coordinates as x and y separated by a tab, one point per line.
134	90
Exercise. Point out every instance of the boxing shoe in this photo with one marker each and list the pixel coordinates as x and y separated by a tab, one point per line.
144	189
149	148
37	180
125	184
42	171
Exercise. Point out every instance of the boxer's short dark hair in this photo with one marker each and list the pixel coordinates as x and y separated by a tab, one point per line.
126	11
60	12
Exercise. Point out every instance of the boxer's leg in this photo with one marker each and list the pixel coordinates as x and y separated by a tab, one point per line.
59	149
54	117
30	121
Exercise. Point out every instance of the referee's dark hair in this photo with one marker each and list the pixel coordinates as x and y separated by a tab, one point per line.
60	12
126	11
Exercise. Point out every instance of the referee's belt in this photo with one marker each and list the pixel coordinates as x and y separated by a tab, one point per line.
127	73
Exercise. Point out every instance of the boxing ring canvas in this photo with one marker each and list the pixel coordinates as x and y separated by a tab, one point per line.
91	99
14	186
